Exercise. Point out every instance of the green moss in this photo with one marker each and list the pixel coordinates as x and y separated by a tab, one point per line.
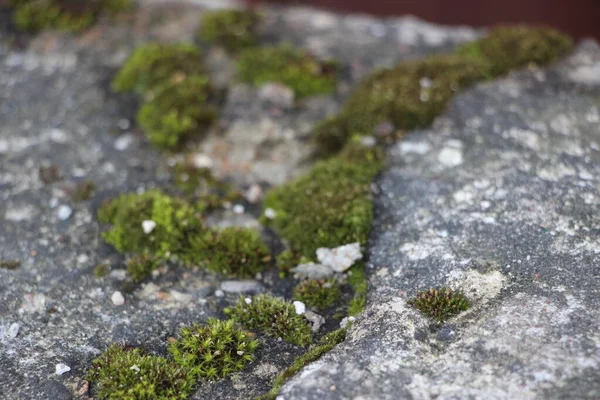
232	29
10	264
140	267
155	64
357	278
101	270
83	191
287	260
124	373
324	346
232	251
272	316
297	69
177	111
214	350
202	185
67	15
328	207
175	220
318	293
440	304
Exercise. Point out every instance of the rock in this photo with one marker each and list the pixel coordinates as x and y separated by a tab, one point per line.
270	213
316	320
62	369
300	307
253	194
13	330
520	240
148	226
340	258
345	321
64	212
242	286
123	142
277	94
313	271
117	298
238	209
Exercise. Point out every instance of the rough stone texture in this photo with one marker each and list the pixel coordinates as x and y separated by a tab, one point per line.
499	198
56	109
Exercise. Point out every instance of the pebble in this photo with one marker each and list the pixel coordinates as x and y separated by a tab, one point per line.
238	209
124	123
300	307
450	157
219	293
253	194
340	258
64	212
123	142
62	369
270	213
200	160
13	330
241	286
315	319
248	300
344	322
148	226
117	299
313	271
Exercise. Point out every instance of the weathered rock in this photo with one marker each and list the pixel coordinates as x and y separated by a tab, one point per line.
499	198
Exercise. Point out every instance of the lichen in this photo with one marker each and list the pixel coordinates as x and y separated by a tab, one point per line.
125	373
440	304
232	29
297	69
140	266
272	316
10	264
214	350
318	293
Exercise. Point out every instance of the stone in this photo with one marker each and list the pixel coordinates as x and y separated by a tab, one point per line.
242	286
300	307
340	258
148	226
313	271
117	298
62	369
64	212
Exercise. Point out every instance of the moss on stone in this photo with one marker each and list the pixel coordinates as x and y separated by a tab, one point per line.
66	15
318	293
297	69
83	191
232	29
233	251
357	278
287	260
177	111
125	373
101	270
440	304
10	264
272	316
140	266
214	350
156	64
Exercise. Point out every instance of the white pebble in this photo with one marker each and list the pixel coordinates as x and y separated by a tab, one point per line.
123	142
219	293
253	194
450	157
300	307
340	258
62	368
135	368
248	300
344	322
238	209
148	226
13	330
199	160
64	212
117	299
270	213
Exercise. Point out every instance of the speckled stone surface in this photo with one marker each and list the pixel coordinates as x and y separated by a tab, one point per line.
499	198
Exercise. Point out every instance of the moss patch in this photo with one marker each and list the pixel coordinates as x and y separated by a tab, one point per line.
232	29
272	316
124	373
213	350
440	304
10	264
357	278
140	266
101	270
318	293
83	191
297	69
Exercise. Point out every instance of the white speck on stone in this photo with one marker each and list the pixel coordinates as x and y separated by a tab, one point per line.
148	226
117	298
123	142
64	212
253	194
270	213
585	175
200	160
219	293
248	300
345	321
135	368
24	213
300	307
238	209
450	157
56	135
82	259
13	330
62	369
588	74
414	147
340	258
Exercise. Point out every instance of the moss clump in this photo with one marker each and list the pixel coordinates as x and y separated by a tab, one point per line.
318	293
330	206
83	191
175	222
357	278
10	264
141	266
274	317
154	65
67	15
288	259
101	270
324	346
440	304
232	251
124	373
297	69
201	184
177	111
214	350
232	29
511	47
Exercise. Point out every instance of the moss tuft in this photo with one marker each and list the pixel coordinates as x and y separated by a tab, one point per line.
288	259
214	350
274	317
297	69
10	264
101	270
154	65
319	293
440	304
357	278
124	373
83	191
141	266
232	29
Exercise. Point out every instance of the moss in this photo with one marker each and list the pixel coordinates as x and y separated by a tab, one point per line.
201	184
357	278
232	251
440	304
83	191
177	111
287	260
297	69
318	293
324	346
272	316
101	270
214	350
67	15
175	220
232	29
155	64
10	264
124	373
140	266
328	207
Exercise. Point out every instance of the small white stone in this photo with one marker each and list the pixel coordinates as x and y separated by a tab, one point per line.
313	271
123	142
253	194
300	307
117	298
82	259
200	160
414	147
238	209
148	226
240	353
270	213
347	320
64	212
450	157
368	141
340	258
13	330
135	368
248	300
219	293
62	369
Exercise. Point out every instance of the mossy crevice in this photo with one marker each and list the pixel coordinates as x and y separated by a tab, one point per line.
440	304
232	29
318	293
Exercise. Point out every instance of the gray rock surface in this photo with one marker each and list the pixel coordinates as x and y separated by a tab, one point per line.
499	198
